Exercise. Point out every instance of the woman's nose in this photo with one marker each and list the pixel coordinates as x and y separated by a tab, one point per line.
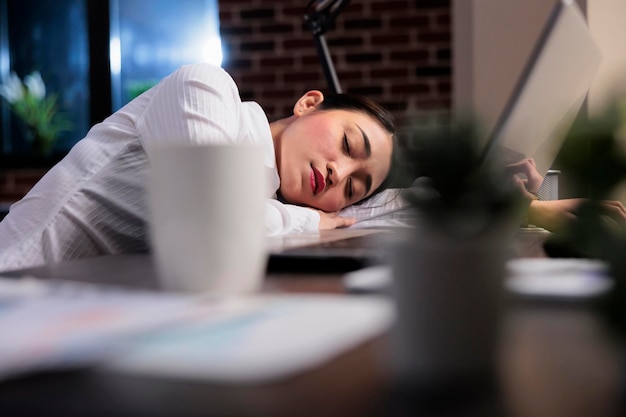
331	175
336	173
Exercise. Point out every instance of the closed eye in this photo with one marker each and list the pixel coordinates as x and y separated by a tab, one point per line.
346	144
349	188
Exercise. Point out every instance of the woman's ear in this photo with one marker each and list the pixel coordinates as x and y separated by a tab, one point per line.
308	102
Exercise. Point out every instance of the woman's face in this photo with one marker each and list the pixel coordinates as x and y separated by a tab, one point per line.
330	159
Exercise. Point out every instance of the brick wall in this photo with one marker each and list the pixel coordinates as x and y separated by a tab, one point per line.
394	51
17	182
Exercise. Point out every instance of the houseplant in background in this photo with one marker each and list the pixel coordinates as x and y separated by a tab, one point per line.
448	273
36	111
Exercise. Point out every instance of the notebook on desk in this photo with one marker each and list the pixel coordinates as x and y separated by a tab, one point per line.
542	107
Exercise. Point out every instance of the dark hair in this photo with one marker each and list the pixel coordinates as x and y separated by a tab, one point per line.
362	104
373	109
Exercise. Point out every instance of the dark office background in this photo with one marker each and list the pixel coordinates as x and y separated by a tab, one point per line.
395	51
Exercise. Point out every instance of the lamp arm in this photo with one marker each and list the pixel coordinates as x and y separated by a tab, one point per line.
320	15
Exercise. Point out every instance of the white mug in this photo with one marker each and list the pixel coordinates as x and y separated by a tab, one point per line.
207	224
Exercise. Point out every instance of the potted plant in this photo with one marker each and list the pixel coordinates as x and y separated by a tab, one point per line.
36	111
448	272
456	190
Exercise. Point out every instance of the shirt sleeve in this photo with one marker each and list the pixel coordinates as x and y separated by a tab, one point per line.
286	218
196	104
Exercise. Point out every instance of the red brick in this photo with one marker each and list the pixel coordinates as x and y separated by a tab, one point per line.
233	31
388	71
434	37
350	75
258	14
310	60
257	46
391	39
432	4
444	20
344	41
355	8
298	43
444	86
433	104
277	28
410	22
278	93
408	55
418	88
294	11
363	57
433	71
385	6
225	16
365	91
303	76
359	24
259	78
276	62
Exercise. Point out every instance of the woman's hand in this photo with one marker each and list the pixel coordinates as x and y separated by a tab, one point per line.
553	215
526	176
333	220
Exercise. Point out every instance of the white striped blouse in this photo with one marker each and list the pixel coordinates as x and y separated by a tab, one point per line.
93	201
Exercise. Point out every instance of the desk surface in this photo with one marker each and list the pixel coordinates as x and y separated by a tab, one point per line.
555	360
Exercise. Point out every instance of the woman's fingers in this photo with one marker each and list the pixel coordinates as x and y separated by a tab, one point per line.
526	170
333	221
616	209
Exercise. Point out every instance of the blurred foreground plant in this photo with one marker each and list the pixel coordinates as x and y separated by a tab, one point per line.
456	189
594	156
37	112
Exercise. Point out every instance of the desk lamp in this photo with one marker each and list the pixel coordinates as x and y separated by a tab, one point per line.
320	14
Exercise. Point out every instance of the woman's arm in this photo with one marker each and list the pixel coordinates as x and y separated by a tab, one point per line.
196	104
553	215
288	218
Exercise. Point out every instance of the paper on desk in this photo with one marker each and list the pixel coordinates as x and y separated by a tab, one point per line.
275	337
48	325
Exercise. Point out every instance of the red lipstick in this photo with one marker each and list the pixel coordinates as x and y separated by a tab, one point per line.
318	183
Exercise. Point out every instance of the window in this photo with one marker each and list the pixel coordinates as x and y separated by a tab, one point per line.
97	55
49	37
151	38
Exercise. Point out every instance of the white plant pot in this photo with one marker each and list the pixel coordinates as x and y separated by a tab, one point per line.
448	293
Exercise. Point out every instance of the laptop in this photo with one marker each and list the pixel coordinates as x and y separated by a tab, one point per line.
550	92
337	250
547	98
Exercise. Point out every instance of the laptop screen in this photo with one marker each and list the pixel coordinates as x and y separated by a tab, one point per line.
550	92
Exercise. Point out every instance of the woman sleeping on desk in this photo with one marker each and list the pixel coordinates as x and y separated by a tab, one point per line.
332	152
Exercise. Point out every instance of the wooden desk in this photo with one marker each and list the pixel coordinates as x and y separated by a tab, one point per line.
556	360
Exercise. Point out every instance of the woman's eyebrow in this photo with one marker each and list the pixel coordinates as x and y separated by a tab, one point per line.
366	143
